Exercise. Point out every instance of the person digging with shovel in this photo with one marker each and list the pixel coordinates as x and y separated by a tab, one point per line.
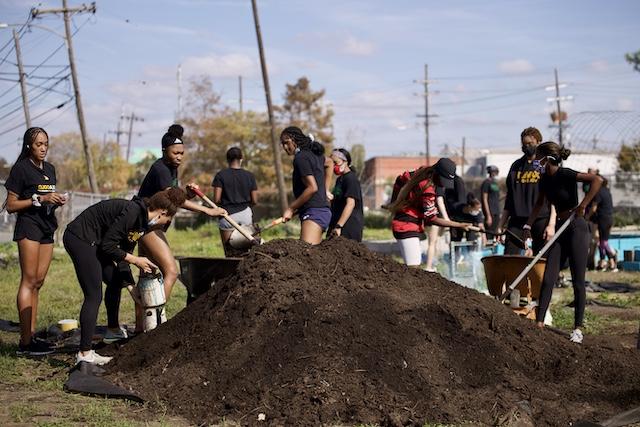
309	184
558	187
413	204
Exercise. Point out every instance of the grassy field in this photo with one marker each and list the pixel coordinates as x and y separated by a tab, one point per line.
32	389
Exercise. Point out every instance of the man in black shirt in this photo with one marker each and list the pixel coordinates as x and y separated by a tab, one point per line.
522	194
491	200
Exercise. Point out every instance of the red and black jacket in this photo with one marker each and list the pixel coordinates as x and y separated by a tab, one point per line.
420	208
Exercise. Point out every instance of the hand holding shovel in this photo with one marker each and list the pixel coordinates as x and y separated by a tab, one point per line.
247	235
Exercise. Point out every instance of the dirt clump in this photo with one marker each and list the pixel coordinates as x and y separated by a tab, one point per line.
335	334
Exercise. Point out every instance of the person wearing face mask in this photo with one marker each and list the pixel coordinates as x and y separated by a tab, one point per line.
470	212
490	191
413	205
522	193
347	216
163	174
558	187
99	241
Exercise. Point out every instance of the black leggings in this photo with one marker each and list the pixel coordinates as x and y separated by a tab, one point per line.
574	245
92	269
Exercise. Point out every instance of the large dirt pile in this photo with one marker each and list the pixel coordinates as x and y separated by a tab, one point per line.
336	334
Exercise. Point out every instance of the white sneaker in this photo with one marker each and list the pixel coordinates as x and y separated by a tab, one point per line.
576	336
111	336
93	358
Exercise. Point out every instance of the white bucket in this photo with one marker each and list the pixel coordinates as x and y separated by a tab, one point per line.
154	317
151	290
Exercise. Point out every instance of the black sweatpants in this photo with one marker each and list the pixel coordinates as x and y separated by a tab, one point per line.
574	245
92	269
513	247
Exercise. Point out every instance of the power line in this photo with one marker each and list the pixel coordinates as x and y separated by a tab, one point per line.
36	117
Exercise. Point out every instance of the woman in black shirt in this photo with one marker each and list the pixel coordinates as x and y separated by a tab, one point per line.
347	216
558	187
309	186
101	238
235	190
31	192
162	175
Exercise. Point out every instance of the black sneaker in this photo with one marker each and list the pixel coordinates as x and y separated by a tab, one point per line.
34	348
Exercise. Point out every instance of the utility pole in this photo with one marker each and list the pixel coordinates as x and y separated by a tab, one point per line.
23	80
464	147
267	92
132	118
559	111
240	94
426	112
66	11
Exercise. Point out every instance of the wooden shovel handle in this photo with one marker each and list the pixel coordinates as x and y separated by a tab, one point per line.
230	220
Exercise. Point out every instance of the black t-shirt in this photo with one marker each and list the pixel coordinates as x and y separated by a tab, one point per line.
491	187
160	177
604	202
522	191
306	163
237	185
561	189
27	179
454	196
348	186
114	225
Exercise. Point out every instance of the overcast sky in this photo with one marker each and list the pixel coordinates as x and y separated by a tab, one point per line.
489	61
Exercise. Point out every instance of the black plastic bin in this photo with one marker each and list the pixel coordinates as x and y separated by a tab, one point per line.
200	274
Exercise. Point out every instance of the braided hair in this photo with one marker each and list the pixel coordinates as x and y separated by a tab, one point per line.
303	142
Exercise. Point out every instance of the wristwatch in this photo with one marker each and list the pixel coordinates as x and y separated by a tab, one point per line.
35	200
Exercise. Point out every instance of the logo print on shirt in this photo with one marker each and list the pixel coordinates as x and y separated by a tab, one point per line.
527	177
134	236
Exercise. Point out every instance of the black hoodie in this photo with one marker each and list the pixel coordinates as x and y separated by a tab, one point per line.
113	225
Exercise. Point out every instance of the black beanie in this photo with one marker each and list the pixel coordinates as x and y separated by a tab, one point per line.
173	136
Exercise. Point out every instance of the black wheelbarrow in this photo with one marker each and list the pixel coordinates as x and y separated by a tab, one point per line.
200	274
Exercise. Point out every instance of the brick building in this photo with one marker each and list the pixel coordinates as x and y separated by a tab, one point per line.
381	172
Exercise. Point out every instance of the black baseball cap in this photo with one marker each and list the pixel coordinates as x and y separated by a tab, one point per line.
446	169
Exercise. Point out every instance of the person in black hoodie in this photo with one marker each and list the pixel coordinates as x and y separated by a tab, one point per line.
32	194
99	241
523	187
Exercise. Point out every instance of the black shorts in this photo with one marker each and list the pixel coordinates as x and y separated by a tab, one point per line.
30	230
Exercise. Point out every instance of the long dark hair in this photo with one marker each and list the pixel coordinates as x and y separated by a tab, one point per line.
303	141
28	139
424	172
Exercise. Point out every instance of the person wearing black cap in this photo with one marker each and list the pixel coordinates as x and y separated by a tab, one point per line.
523	187
162	175
413	203
490	191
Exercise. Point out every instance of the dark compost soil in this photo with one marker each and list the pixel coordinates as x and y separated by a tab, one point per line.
337	334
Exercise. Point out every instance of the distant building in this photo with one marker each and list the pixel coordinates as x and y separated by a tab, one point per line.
381	172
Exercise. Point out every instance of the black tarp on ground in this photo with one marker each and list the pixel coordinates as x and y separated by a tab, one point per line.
84	378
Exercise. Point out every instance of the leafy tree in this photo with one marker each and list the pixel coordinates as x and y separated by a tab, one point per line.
629	157
634	59
305	108
141	168
358	155
5	167
112	170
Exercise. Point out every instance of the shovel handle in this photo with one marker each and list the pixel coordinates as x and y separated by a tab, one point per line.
230	220
272	224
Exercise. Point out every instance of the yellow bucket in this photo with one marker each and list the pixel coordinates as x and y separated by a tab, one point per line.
67	324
